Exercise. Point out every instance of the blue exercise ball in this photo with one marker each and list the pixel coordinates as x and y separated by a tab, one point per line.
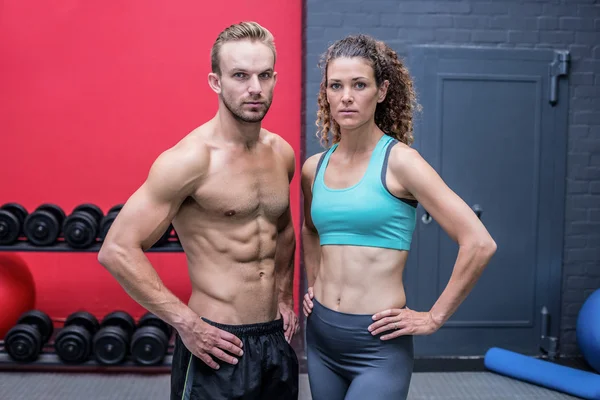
588	330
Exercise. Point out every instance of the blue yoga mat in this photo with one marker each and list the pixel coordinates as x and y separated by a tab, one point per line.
544	373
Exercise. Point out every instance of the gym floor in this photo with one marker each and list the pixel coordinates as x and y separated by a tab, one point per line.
424	386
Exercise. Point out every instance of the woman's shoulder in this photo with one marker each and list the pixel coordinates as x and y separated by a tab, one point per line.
310	164
403	157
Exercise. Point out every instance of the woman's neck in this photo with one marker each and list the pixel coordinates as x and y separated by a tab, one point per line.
360	140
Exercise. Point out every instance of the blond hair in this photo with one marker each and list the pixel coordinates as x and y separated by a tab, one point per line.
248	30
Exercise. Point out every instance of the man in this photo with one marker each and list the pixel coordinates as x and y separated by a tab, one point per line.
225	188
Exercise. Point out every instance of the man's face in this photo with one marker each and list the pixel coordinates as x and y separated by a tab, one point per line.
247	79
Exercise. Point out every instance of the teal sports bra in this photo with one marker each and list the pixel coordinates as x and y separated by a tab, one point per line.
365	214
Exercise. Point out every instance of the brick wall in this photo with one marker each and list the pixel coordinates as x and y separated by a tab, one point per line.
564	24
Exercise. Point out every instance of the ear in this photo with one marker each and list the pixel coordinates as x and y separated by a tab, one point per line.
382	92
214	81
274	78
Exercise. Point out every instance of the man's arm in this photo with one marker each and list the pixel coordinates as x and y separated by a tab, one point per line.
285	250
144	218
284	273
284	258
174	176
286	237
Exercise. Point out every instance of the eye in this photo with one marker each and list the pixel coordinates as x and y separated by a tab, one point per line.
335	86
360	85
265	75
239	75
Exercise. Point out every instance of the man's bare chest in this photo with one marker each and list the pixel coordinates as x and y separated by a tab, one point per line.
245	188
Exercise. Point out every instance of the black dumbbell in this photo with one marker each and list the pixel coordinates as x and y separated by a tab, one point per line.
24	341
73	343
108	220
150	340
81	228
111	343
164	239
42	227
12	217
116	208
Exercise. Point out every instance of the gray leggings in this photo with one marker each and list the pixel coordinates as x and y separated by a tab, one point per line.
346	362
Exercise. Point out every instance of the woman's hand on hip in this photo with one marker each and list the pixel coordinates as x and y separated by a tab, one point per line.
402	321
307	303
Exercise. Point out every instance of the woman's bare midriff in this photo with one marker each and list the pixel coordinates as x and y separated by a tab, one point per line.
360	280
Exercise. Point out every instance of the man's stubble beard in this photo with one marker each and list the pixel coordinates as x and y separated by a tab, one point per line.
239	115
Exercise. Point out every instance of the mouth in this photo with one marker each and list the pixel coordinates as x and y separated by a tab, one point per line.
254	103
347	112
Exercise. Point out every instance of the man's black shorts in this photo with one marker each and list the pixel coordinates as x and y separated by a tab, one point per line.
268	369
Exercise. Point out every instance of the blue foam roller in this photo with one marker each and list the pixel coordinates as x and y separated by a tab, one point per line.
543	373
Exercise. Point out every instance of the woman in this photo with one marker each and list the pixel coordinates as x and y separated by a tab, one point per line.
360	199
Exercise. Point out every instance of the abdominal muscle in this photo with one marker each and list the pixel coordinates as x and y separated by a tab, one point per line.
360	280
232	270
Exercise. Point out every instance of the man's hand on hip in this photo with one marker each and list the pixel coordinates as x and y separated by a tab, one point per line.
204	340
290	320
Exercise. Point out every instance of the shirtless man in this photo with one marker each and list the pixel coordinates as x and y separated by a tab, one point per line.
225	189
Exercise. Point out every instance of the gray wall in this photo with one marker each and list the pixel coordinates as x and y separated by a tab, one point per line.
563	24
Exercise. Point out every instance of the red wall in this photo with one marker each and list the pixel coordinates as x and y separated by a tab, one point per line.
92	91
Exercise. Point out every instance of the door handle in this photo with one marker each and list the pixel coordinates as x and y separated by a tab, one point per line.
477	210
426	218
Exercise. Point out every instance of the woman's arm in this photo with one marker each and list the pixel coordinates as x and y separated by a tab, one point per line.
311	248
412	176
476	246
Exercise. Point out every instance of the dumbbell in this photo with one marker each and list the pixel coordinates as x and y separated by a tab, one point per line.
150	340
12	217
111	342
108	220
24	341
81	228
42	227
164	239
73	343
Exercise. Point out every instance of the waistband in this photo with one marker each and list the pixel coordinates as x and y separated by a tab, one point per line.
341	319
261	328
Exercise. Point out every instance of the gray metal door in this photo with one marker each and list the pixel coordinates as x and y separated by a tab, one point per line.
494	126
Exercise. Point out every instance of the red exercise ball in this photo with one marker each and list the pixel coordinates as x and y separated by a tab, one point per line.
17	290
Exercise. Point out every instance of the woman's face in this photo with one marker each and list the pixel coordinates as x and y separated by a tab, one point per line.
352	92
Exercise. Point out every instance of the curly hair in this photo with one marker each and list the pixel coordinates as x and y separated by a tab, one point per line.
394	115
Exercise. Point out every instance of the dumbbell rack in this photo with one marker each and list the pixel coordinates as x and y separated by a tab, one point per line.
48	360
61	246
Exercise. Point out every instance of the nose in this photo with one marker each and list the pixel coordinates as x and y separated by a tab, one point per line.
254	87
347	97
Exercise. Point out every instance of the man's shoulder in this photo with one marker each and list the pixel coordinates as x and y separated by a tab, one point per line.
188	157
276	141
282	148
